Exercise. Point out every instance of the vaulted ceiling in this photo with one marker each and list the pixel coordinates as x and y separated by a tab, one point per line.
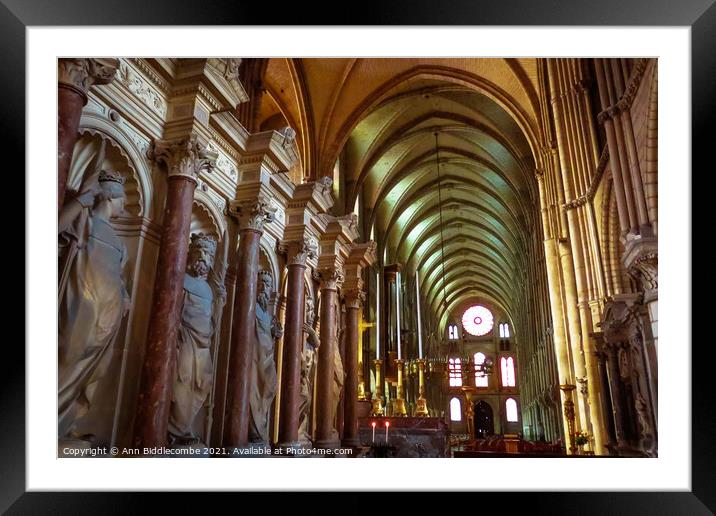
390	123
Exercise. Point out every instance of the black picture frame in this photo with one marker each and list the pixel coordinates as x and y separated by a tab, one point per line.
700	15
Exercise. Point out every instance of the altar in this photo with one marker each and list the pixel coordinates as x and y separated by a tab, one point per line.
404	437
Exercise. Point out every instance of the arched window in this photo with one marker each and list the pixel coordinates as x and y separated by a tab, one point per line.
480	377
452	332
504	330
511	410
455	372
507	365
455	410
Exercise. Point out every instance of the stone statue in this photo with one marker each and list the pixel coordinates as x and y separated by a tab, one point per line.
339	375
203	298
92	295
308	367
263	372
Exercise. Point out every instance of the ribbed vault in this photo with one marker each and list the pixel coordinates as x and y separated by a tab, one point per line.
483	192
378	118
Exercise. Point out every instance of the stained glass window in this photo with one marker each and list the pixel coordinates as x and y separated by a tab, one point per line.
452	332
477	320
511	409
455	411
507	364
455	372
481	379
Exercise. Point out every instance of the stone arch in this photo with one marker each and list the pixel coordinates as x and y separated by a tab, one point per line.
115	159
133	146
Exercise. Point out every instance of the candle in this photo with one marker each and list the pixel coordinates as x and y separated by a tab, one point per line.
387	424
373	424
397	310
417	303
377	315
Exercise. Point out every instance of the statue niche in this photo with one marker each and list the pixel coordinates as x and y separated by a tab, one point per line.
203	299
263	371
92	296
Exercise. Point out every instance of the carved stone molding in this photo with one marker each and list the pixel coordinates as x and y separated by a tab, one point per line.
298	251
185	157
83	73
142	89
254	213
331	278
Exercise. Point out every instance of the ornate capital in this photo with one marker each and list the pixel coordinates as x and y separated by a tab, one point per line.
331	278
185	157
583	385
83	73
253	214
354	298
645	270
298	251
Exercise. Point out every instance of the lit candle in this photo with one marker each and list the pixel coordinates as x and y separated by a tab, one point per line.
417	303
373	424
387	424
397	309
377	315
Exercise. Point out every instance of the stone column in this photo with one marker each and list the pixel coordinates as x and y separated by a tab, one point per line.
325	437
252	215
616	393
185	159
298	252
75	77
354	299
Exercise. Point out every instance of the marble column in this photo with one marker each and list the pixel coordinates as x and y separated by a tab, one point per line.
293	338
325	425
252	215
75	77
185	159
353	298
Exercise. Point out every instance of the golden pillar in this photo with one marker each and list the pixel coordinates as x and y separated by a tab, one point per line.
421	407
399	403
377	401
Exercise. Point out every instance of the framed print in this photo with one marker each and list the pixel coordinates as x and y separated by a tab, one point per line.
437	243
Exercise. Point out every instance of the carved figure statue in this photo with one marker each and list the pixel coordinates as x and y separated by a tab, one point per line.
203	299
339	375
308	366
92	294
263	372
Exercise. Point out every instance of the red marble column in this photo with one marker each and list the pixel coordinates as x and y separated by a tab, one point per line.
350	396
185	159
325	437
293	339
252	216
75	78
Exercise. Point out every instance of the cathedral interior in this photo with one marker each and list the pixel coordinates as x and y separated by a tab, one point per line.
374	257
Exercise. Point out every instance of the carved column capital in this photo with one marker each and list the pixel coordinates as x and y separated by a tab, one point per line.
254	213
645	270
298	251
354	298
185	157
80	73
331	278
